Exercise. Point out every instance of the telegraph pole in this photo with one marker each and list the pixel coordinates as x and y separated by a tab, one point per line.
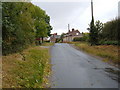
93	37
92	10
119	10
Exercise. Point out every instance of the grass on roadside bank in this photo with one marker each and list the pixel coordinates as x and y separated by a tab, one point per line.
108	52
47	44
28	71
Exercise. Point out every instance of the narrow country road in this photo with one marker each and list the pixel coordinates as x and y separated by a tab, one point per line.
74	69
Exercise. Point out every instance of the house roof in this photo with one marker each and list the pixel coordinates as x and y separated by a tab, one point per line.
73	33
55	35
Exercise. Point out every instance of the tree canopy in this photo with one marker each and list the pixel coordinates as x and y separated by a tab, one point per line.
110	30
22	23
105	33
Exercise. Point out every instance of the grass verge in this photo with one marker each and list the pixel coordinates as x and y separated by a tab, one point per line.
47	44
30	69
109	53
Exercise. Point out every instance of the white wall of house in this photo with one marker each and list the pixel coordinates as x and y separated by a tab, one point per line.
70	38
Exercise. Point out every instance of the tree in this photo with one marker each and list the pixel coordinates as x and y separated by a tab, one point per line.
17	27
99	27
62	36
95	32
42	23
110	30
93	36
22	22
49	28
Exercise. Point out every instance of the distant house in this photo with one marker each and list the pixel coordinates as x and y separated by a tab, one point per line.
45	38
54	37
68	37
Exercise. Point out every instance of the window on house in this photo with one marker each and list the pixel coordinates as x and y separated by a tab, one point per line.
77	33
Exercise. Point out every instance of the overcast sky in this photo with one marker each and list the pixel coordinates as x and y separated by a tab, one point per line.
77	13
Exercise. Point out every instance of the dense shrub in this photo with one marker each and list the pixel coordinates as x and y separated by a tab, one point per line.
107	33
108	43
110	30
78	39
47	41
84	38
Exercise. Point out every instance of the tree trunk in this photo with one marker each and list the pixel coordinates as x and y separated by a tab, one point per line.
39	42
42	40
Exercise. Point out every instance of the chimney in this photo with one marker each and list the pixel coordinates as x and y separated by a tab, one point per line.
72	29
68	27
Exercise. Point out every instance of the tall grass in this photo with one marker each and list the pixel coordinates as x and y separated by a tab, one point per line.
47	44
108	52
27	73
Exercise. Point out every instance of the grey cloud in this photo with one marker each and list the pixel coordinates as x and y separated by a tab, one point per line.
78	14
61	12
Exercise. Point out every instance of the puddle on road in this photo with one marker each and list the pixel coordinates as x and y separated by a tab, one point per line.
112	71
114	74
96	68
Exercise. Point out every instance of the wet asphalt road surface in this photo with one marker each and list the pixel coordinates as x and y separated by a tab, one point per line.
75	69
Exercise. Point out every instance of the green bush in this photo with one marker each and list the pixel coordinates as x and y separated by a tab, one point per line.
78	39
85	37
108	43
